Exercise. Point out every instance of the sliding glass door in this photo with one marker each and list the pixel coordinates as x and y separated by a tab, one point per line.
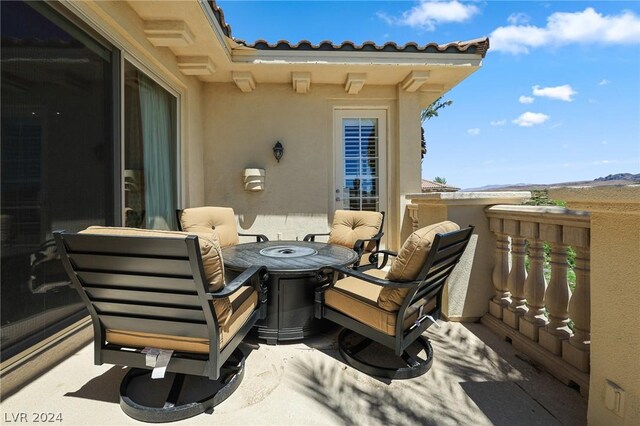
58	165
150	152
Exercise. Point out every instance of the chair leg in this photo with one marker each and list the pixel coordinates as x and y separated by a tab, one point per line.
352	345
188	396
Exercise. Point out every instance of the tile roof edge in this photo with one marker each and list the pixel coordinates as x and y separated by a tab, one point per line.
477	46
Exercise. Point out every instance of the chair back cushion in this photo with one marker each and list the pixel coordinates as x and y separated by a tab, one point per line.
209	248
410	261
352	225
202	220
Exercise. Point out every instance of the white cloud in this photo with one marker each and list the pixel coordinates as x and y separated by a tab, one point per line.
518	18
474	132
498	123
529	119
428	14
563	93
525	99
604	82
565	28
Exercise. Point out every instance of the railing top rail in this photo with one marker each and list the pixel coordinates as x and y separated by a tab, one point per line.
542	214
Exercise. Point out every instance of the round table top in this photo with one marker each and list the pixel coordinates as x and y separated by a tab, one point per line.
242	256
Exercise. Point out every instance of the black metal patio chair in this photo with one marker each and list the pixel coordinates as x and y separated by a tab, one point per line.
393	308
151	290
357	230
222	220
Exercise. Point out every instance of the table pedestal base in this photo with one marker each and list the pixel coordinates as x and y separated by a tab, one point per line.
290	308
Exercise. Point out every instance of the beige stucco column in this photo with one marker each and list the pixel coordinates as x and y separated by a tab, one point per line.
404	175
470	286
614	388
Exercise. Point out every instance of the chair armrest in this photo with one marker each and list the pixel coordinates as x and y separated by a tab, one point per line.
256	274
368	278
373	257
260	238
359	244
312	237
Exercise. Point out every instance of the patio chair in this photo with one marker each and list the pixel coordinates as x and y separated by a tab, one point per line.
393	308
201	220
148	291
357	230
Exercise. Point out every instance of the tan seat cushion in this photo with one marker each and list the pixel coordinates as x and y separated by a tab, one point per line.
350	226
209	248
135	339
409	262
359	300
222	220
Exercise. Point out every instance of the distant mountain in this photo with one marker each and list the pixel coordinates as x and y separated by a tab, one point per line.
617	179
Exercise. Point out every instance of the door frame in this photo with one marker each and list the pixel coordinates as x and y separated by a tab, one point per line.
379	113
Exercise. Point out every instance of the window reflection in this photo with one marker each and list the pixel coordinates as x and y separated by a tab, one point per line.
57	167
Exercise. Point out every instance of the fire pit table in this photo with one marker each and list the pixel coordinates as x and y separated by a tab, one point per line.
292	269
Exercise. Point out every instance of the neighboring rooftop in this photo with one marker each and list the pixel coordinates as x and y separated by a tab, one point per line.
432	186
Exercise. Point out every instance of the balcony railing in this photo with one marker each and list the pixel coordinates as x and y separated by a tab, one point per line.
545	319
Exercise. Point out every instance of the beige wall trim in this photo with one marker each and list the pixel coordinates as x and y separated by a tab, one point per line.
301	82
168	33
556	366
355	83
414	80
19	370
244	80
196	65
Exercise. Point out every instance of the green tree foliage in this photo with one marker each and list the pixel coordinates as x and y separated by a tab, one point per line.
427	114
441	180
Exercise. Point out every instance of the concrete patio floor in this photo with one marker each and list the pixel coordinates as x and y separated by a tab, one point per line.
476	379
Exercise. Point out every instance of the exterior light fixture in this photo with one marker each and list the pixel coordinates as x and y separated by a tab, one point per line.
278	150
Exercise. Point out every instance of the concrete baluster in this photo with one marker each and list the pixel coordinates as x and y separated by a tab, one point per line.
502	297
576	351
515	282
534	288
557	301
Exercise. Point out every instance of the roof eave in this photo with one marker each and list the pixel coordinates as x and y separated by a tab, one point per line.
247	55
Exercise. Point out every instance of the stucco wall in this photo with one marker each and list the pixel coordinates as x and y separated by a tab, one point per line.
615	294
240	131
615	335
121	26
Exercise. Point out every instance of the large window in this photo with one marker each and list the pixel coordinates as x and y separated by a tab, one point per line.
58	163
150	151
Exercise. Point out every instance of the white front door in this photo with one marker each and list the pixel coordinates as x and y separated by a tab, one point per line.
360	175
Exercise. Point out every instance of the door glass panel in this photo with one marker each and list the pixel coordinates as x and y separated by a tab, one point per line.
57	163
361	172
150	160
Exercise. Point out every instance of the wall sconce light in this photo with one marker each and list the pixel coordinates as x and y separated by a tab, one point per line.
278	150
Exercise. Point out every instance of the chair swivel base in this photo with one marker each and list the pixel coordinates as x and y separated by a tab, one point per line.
353	348
143	398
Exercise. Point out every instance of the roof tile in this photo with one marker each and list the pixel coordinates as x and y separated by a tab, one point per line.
478	46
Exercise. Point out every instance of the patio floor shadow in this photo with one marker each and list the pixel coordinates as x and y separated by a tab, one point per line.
476	379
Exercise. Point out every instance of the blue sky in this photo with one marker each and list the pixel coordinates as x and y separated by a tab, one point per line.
557	98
